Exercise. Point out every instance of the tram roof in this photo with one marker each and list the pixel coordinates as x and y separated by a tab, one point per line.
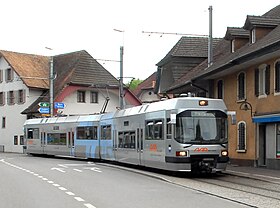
174	103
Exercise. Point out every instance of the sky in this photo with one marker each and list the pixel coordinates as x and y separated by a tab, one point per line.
147	29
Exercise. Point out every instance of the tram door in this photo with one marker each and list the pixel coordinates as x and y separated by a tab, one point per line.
43	141
70	142
140	138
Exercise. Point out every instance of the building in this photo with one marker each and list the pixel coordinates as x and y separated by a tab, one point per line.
80	83
145	91
246	74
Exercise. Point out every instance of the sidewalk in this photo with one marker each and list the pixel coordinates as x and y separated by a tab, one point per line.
251	172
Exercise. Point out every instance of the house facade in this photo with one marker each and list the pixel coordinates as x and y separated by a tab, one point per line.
245	73
80	83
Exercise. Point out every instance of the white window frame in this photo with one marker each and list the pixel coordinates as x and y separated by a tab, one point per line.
253	35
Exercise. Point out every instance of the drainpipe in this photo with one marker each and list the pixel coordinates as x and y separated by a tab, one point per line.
210	38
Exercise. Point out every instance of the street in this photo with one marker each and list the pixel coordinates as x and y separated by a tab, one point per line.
28	182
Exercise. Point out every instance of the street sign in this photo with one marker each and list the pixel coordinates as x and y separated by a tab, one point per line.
44	110
44	104
59	105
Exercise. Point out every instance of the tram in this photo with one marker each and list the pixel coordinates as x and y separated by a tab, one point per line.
179	134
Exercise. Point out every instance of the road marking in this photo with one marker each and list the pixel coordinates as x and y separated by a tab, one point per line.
58	169
70	193
79	199
94	169
77	170
89	206
62	188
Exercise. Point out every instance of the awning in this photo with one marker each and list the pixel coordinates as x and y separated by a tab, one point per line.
267	119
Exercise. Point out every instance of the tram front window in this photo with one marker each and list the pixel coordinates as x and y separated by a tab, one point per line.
194	127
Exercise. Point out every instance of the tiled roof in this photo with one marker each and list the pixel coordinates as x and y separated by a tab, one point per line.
233	32
146	84
275	12
32	69
189	47
261	21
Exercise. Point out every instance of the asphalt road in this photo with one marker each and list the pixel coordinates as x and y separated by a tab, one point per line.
38	182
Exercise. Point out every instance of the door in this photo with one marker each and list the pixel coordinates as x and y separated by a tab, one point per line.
71	144
140	142
43	142
262	145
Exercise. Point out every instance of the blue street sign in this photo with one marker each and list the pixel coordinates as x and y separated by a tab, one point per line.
59	105
44	110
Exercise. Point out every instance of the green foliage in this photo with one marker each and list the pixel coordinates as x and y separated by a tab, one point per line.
134	84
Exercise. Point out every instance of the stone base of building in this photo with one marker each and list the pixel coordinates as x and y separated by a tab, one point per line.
273	164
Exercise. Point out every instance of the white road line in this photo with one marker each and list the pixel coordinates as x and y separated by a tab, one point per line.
56	185
89	206
45	179
50	182
64	166
79	199
62	188
70	193
77	170
58	169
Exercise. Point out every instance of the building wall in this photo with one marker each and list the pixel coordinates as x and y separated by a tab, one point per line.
266	104
12	113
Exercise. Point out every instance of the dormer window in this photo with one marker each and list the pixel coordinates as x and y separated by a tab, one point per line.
253	35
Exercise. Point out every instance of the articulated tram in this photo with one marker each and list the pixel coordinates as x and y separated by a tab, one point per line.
179	134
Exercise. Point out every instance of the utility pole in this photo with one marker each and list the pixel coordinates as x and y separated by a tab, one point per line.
121	79
210	38
51	86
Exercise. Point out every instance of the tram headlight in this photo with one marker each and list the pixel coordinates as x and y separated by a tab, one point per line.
181	153
224	153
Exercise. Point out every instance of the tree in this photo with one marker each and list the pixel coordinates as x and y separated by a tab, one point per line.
133	84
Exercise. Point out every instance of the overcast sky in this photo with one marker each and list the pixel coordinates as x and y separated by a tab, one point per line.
28	26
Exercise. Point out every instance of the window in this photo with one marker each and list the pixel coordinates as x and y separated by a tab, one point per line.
81	96
241	86
1	75
93	97
33	133
56	138
21	97
106	132
11	98
2	98
168	129
9	75
154	130
220	89
3	122
278	142
87	132
15	140
232	45
277	76
253	35
241	146
262	80
127	139
21	140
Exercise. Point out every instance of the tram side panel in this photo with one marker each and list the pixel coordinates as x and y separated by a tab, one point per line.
129	142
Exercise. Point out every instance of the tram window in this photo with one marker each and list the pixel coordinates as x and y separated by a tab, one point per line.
158	129
33	133
154	130
149	130
121	141
106	132
127	139
87	132
56	138
168	129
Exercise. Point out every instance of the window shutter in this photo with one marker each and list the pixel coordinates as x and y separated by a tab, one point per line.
257	82
241	86
267	80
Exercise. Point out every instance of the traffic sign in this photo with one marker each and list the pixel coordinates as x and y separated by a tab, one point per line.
59	105
44	104
44	110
